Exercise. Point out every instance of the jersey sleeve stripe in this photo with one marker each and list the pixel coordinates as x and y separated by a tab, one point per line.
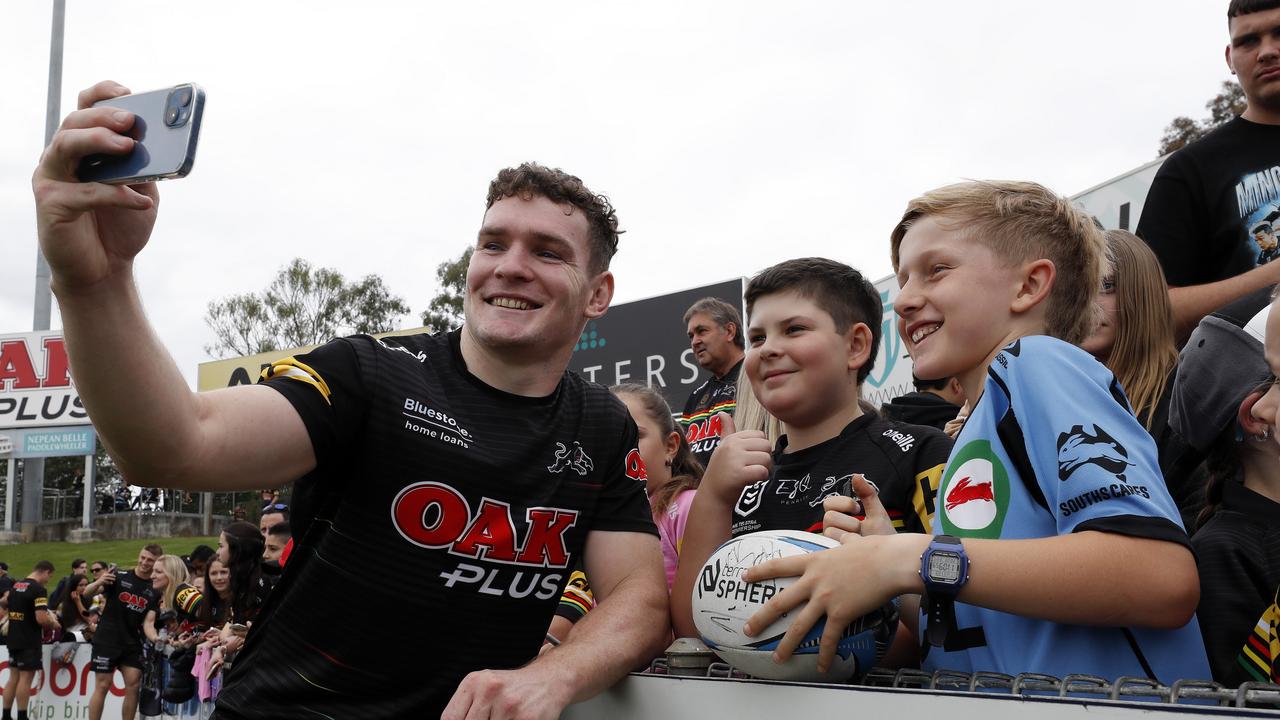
292	369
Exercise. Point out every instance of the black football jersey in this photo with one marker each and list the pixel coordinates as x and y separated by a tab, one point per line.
699	419
25	598
904	461
444	506
127	602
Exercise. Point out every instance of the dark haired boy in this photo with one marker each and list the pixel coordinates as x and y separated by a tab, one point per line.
432	458
813	330
29	614
1057	548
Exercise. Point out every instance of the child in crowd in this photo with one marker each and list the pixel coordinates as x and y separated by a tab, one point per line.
1238	541
673	473
813	329
1134	339
1260	650
1058	549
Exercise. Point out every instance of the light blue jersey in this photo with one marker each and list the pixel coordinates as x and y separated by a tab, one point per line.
1052	448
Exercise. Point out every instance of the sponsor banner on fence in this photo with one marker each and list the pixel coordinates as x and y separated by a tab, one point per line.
62	691
891	374
35	382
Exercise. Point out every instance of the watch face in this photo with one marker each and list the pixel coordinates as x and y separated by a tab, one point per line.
944	567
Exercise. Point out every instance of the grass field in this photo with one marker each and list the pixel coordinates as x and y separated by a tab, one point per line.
122	552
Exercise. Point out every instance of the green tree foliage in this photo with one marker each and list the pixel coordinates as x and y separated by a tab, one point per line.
303	305
445	310
1224	106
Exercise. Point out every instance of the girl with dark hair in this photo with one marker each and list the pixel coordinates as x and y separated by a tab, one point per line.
240	549
673	473
73	614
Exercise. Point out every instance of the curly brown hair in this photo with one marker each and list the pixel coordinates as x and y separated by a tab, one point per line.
531	179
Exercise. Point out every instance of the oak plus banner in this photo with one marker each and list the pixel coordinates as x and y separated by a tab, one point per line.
35	382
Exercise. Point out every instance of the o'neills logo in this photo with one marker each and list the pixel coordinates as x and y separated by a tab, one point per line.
434	515
974	492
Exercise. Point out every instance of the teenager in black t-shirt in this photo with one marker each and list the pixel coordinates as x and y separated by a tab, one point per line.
485	522
28	603
1208	208
128	618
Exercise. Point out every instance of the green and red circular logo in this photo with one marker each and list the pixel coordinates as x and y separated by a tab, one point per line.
974	496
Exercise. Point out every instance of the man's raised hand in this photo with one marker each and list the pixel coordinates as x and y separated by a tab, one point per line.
90	232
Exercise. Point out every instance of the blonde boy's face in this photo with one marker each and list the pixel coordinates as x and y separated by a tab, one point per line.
801	370
1267	409
954	306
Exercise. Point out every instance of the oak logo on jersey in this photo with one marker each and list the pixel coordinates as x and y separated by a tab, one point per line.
574	458
1080	447
633	466
133	601
434	515
975	492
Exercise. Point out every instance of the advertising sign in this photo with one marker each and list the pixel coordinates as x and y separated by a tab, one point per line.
53	442
645	342
62	690
35	382
891	374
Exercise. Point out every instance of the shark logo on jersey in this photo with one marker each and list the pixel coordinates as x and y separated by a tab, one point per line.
1079	447
574	458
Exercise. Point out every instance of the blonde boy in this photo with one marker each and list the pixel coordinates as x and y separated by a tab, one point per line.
1057	549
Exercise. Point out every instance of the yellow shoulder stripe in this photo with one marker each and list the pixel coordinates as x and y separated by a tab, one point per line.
292	369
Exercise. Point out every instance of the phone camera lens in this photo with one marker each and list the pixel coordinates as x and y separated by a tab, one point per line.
171	116
183	96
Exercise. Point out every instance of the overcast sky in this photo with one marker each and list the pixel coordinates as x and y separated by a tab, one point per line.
730	136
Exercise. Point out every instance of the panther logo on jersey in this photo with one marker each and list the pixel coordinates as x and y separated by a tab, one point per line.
575	459
1079	447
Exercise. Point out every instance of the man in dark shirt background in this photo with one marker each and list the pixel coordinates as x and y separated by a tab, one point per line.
128	618
28	603
715	336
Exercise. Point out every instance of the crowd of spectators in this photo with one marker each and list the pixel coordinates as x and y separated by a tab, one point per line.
184	618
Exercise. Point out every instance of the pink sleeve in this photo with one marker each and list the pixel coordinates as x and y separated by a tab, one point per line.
671	526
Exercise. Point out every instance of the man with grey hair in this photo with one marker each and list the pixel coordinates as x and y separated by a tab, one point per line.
715	336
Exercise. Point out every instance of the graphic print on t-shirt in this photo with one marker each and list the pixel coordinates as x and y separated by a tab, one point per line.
1258	200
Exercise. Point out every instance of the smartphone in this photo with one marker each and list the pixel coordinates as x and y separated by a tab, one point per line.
166	127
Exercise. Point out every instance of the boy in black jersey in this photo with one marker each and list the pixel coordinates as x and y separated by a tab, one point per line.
471	465
813	329
28	613
129	617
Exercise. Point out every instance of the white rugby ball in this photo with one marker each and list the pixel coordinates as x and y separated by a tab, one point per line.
722	604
